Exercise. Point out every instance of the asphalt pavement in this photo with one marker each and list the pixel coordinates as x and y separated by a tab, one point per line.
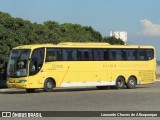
142	98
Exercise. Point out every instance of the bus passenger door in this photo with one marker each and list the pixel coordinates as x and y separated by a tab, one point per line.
35	68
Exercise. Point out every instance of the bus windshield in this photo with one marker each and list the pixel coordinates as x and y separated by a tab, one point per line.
18	63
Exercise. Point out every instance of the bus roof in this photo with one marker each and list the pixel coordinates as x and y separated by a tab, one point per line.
80	45
84	44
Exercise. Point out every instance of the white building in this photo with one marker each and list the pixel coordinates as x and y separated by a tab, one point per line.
119	34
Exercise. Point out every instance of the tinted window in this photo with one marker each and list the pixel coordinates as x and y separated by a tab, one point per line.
50	55
149	54
112	54
58	54
36	61
53	54
124	54
131	54
96	54
84	54
118	54
141	54
100	54
106	54
69	54
115	54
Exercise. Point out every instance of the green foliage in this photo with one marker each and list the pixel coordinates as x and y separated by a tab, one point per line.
113	41
16	31
95	34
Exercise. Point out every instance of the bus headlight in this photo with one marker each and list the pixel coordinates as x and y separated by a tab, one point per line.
22	81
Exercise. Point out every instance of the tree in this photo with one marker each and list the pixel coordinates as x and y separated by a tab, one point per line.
113	41
16	31
95	34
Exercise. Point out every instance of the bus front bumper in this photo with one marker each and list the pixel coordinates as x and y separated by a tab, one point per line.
16	85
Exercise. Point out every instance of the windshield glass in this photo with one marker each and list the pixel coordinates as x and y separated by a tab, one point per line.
18	63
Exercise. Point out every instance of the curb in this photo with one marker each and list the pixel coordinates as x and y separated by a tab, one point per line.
9	89
15	89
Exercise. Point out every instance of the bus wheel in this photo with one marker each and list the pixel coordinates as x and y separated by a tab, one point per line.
48	85
102	87
131	83
30	90
120	82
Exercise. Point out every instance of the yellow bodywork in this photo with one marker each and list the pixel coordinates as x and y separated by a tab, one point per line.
86	73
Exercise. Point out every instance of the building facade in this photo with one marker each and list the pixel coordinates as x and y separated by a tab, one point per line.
119	34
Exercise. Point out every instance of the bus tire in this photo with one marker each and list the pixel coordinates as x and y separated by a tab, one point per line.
131	83
120	83
102	87
30	90
48	85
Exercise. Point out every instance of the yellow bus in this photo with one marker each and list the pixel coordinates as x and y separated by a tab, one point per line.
49	66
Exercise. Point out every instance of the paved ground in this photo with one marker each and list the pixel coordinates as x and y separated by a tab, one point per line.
143	98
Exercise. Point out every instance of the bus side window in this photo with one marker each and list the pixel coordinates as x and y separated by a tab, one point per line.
88	55
142	54
50	55
79	55
134	54
69	55
58	54
101	54
149	54
74	54
115	54
124	54
118	55
96	55
129	55
112	54
85	55
106	54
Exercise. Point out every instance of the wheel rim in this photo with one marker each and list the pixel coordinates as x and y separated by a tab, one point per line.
132	82
120	83
49	85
